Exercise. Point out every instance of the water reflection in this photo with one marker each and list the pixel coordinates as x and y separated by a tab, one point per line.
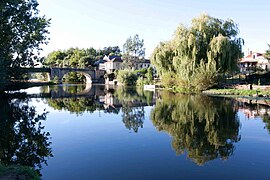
255	108
75	105
133	102
129	102
23	140
204	127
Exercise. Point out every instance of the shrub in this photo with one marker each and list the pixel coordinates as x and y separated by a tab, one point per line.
127	77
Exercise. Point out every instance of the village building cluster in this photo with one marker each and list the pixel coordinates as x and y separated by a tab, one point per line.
113	63
253	62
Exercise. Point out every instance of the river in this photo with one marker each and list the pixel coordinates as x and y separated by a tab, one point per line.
97	132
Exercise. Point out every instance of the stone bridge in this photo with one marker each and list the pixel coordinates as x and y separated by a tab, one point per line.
92	76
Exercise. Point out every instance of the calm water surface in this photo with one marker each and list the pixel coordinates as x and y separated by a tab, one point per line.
96	132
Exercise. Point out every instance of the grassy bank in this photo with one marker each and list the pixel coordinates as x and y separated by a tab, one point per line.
240	92
18	172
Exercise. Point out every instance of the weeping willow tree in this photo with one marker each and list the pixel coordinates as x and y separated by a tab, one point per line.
203	127
209	45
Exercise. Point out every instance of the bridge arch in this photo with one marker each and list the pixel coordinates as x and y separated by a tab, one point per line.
58	74
88	78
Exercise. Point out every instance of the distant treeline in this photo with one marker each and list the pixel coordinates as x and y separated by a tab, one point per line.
79	58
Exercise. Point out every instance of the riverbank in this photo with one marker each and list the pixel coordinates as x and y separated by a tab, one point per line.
242	90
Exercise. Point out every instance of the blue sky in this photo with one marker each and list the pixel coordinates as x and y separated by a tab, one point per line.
100	23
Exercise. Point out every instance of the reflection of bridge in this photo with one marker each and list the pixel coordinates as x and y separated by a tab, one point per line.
95	76
97	92
59	91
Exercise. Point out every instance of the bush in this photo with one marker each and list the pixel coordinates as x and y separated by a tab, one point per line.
127	77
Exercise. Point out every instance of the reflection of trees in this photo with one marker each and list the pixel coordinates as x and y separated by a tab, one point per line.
74	89
132	117
130	100
22	139
75	105
134	95
133	102
266	120
204	127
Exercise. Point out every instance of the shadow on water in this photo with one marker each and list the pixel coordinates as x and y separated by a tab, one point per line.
23	140
203	127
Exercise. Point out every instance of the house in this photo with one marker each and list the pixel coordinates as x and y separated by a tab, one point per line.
100	64
252	62
143	64
112	63
109	63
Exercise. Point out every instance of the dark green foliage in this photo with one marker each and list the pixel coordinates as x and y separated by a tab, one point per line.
22	137
127	77
22	33
203	127
18	172
74	77
111	51
72	57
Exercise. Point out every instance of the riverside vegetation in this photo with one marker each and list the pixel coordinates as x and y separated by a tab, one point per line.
197	55
23	31
192	61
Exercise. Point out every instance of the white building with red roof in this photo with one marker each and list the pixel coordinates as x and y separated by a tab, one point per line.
252	62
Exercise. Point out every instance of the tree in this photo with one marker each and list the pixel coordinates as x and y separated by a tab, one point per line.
111	50
55	59
134	51
267	53
22	33
210	44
